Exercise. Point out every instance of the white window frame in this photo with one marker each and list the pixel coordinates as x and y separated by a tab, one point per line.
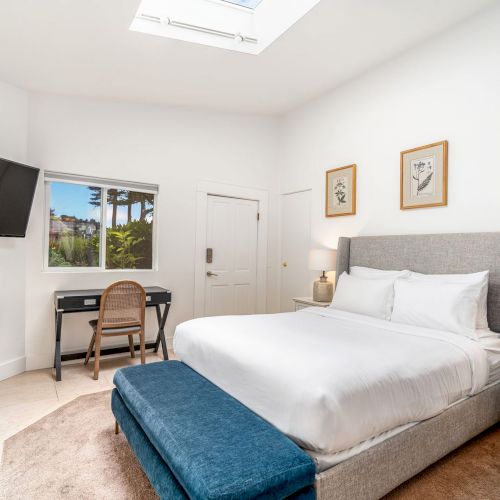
105	185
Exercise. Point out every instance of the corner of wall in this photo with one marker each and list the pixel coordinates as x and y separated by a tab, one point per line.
13	145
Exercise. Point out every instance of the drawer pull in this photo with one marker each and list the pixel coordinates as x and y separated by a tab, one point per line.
148	298
89	302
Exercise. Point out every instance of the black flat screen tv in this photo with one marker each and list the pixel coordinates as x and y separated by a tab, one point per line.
17	188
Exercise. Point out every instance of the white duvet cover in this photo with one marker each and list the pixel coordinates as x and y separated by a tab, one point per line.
331	379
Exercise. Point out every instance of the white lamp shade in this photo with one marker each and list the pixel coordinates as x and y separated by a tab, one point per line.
322	259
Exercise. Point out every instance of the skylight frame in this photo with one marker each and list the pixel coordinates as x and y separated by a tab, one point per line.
243	3
220	23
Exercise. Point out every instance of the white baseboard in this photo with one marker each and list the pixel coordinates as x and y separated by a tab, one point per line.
12	367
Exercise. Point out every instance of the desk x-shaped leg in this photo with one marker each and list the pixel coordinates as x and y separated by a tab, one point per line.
57	351
162	319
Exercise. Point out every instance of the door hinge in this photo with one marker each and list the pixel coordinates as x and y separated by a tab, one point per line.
258	216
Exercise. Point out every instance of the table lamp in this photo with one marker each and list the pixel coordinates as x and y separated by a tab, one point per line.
322	260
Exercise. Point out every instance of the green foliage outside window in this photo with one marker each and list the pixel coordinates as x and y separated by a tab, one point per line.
130	246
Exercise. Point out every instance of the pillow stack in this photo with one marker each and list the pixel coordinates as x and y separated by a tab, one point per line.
452	302
479	281
367	291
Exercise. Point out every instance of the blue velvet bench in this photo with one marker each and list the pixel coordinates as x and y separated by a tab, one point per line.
195	441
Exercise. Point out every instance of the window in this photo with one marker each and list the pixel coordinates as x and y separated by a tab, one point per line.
74	225
99	224
129	229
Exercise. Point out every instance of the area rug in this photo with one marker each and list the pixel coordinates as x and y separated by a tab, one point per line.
73	453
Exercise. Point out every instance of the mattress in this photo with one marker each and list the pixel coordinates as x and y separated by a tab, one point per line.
494	362
334	382
490	342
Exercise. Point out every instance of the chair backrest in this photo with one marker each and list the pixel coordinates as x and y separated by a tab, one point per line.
123	304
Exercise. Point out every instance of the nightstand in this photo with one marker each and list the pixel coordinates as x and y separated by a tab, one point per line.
303	302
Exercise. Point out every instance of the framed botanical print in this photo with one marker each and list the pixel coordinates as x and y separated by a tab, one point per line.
424	176
341	191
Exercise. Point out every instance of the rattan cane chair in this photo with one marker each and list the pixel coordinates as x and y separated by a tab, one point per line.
122	312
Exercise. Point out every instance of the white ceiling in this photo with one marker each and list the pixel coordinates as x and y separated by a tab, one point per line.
84	47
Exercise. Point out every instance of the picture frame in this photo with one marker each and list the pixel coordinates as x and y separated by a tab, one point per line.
341	191
424	176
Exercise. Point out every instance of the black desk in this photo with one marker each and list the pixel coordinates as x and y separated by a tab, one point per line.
74	301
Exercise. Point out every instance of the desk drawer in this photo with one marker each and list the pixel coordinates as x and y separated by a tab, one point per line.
156	298
92	302
79	303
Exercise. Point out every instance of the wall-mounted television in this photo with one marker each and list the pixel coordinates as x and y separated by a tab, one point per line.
17	188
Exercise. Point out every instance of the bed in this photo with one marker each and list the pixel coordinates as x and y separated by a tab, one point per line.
367	429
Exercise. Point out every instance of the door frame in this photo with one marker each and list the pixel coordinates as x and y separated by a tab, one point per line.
205	189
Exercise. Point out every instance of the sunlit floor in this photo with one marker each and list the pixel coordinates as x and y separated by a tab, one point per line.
27	397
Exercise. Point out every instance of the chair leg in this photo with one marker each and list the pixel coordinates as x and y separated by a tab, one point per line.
97	355
91	347
131	346
143	348
117	427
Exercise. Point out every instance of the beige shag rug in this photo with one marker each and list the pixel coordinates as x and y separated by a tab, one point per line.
73	453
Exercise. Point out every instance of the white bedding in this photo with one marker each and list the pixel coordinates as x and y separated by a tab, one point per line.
330	379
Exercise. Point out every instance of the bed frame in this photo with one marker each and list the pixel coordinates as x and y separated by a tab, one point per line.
378	470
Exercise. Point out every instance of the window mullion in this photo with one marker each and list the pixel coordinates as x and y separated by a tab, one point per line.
104	218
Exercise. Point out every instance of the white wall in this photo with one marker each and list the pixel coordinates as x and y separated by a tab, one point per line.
13	146
445	89
448	88
171	147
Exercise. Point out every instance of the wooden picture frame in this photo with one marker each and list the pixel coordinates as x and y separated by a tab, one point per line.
424	176
340	196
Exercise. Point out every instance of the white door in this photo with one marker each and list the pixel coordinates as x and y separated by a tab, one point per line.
231	277
295	245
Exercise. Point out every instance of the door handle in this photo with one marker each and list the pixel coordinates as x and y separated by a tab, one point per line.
210	273
284	263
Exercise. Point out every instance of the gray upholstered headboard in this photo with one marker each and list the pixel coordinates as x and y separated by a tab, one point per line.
429	254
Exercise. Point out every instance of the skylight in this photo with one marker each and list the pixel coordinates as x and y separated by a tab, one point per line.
248	26
249	4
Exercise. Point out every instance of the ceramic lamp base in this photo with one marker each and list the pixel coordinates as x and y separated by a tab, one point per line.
323	290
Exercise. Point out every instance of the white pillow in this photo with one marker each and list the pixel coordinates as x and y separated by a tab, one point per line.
480	279
441	306
361	296
370	273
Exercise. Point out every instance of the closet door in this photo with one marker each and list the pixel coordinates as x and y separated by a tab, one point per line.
295	245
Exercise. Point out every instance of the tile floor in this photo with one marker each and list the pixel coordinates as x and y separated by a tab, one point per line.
27	397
